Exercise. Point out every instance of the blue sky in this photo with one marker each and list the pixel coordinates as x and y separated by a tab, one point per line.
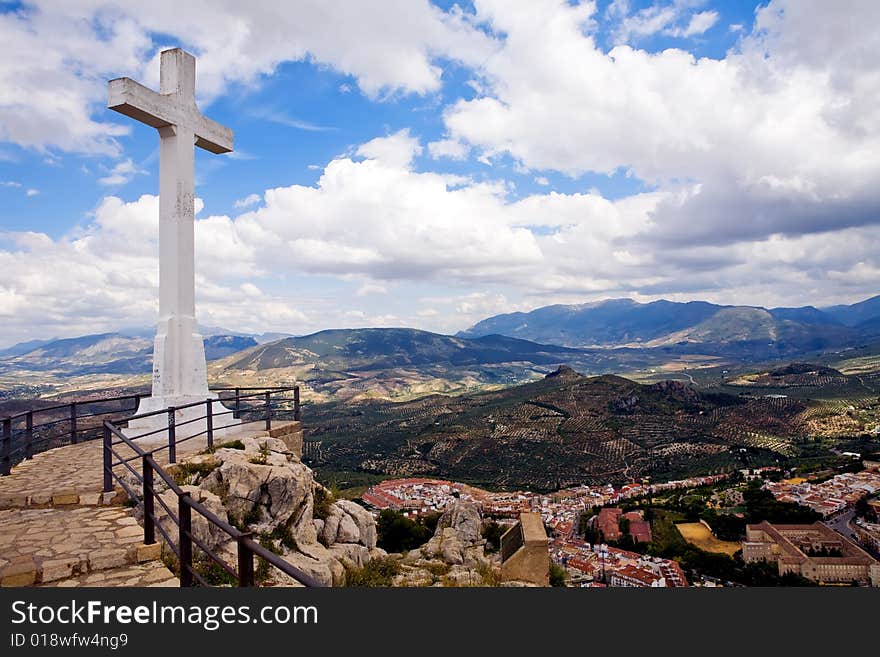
436	163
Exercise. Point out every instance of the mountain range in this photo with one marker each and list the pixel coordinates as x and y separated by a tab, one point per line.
745	330
614	336
103	353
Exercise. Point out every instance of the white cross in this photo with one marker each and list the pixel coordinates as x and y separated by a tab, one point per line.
179	371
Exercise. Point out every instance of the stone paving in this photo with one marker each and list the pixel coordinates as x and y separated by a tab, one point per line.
73	474
58	529
43	545
152	574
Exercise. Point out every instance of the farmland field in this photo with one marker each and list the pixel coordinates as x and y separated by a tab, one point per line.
698	534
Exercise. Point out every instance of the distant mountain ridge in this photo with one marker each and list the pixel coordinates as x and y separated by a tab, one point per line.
373	348
628	323
104	353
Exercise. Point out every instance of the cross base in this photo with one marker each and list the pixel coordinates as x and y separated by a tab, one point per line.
188	421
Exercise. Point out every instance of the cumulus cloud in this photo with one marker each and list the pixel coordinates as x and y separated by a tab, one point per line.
451	148
58	56
700	23
760	170
375	221
247	201
782	135
121	173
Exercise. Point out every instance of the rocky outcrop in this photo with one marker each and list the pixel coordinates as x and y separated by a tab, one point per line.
265	489
457	539
454	556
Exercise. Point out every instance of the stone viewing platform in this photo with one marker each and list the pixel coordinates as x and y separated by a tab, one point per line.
57	527
72	475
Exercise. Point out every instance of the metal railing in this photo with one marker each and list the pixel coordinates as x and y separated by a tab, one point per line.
39	429
36	430
250	405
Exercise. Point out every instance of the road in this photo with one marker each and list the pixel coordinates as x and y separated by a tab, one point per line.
840	524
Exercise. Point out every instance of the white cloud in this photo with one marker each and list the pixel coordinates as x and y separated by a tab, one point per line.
396	151
542	180
9	183
451	148
758	130
121	173
247	201
377	223
32	192
371	288
700	23
58	56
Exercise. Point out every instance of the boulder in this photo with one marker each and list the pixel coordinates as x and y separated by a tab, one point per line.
458	539
264	495
331	525
351	555
348	530
364	520
202	529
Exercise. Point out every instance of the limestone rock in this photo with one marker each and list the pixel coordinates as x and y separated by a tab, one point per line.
331	525
348	530
264	495
410	576
352	555
457	539
364	520
205	531
465	519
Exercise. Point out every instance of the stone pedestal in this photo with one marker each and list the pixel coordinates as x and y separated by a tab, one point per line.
188	421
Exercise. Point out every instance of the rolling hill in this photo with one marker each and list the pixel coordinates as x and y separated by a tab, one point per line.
392	362
561	430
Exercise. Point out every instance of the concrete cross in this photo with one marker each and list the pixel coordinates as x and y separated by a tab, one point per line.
179	371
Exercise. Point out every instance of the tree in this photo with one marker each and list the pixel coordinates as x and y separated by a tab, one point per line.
557	575
397	533
492	532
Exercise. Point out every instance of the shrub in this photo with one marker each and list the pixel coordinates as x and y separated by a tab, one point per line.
492	532
378	572
323	499
184	473
397	533
557	575
231	444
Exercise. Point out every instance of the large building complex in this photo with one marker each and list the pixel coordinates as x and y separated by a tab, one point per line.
813	551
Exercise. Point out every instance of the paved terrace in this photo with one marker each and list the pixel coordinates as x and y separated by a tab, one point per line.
58	529
73	474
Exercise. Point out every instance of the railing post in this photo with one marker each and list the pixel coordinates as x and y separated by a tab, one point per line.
268	411
149	528
245	561
209	418
6	466
108	463
184	512
296	411
29	435
237	413
172	437
73	438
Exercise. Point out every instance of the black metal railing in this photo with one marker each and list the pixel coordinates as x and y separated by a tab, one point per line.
39	429
254	405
